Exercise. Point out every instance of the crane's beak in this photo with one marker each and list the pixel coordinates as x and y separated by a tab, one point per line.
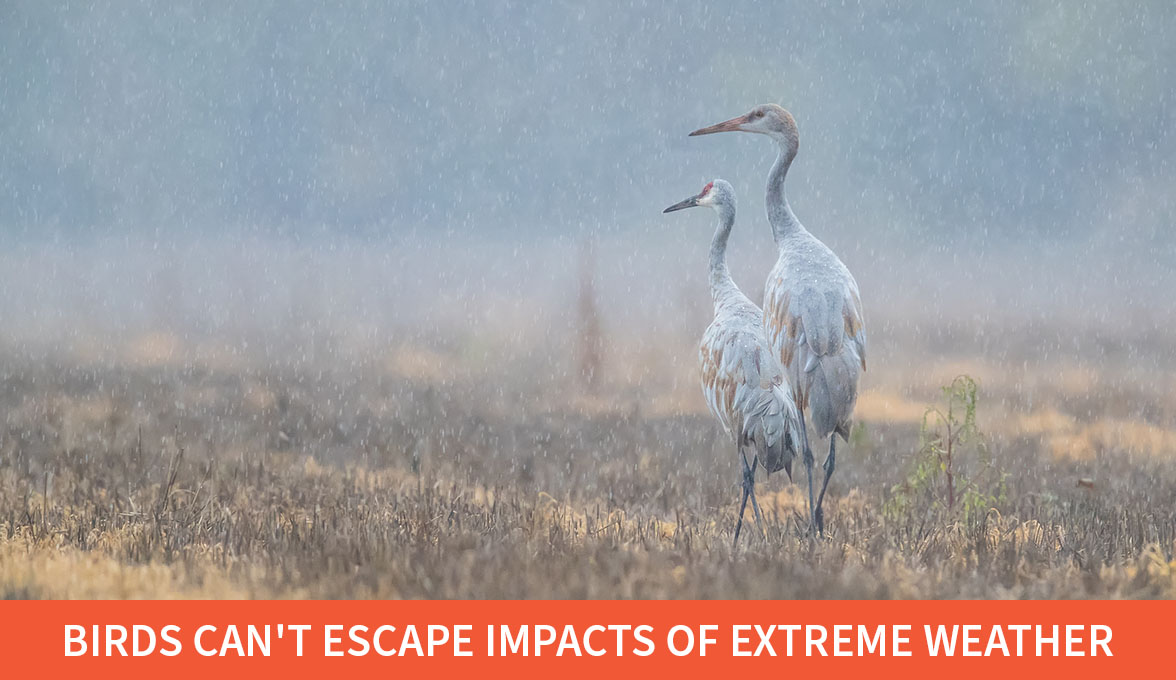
682	205
733	125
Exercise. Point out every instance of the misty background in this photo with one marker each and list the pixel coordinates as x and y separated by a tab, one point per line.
298	178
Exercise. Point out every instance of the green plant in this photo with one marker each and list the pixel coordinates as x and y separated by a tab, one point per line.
953	469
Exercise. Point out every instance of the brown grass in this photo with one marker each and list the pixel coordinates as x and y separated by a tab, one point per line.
174	470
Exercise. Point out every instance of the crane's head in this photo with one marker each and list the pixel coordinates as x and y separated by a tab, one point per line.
717	194
766	119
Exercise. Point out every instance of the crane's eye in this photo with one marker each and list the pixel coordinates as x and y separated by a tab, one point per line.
758	114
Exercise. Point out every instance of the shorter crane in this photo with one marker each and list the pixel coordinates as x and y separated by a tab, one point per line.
742	381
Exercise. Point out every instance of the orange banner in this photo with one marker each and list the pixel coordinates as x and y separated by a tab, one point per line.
189	639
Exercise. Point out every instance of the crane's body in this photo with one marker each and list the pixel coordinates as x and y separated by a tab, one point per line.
812	306
744	385
813	317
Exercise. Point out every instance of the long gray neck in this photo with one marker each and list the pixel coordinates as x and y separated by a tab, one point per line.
780	215
722	286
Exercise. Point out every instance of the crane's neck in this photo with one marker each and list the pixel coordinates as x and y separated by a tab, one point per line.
780	215
721	284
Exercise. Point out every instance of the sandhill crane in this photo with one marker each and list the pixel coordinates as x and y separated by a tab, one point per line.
812	307
742	382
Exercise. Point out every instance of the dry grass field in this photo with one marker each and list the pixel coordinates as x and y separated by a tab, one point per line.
175	468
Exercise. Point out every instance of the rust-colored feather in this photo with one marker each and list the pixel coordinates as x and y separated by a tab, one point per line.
787	353
852	323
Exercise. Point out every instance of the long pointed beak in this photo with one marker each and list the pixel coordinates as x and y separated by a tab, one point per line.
732	125
682	205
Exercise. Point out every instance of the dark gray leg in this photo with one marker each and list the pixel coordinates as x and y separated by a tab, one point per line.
742	504
807	455
830	463
749	480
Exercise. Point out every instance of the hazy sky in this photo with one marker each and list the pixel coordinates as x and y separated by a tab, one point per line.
927	121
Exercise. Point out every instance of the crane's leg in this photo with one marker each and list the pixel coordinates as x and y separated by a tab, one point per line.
807	455
748	492
749	477
829	465
742	503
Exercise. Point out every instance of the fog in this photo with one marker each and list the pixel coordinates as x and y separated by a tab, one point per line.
383	173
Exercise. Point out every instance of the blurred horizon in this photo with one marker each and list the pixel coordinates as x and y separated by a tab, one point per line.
427	173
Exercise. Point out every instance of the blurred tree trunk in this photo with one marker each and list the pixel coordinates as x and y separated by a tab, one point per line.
589	343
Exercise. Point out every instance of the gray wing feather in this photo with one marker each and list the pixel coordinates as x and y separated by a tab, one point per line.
814	313
771	426
746	389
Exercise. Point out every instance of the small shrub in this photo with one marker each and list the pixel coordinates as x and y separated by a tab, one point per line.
953	472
